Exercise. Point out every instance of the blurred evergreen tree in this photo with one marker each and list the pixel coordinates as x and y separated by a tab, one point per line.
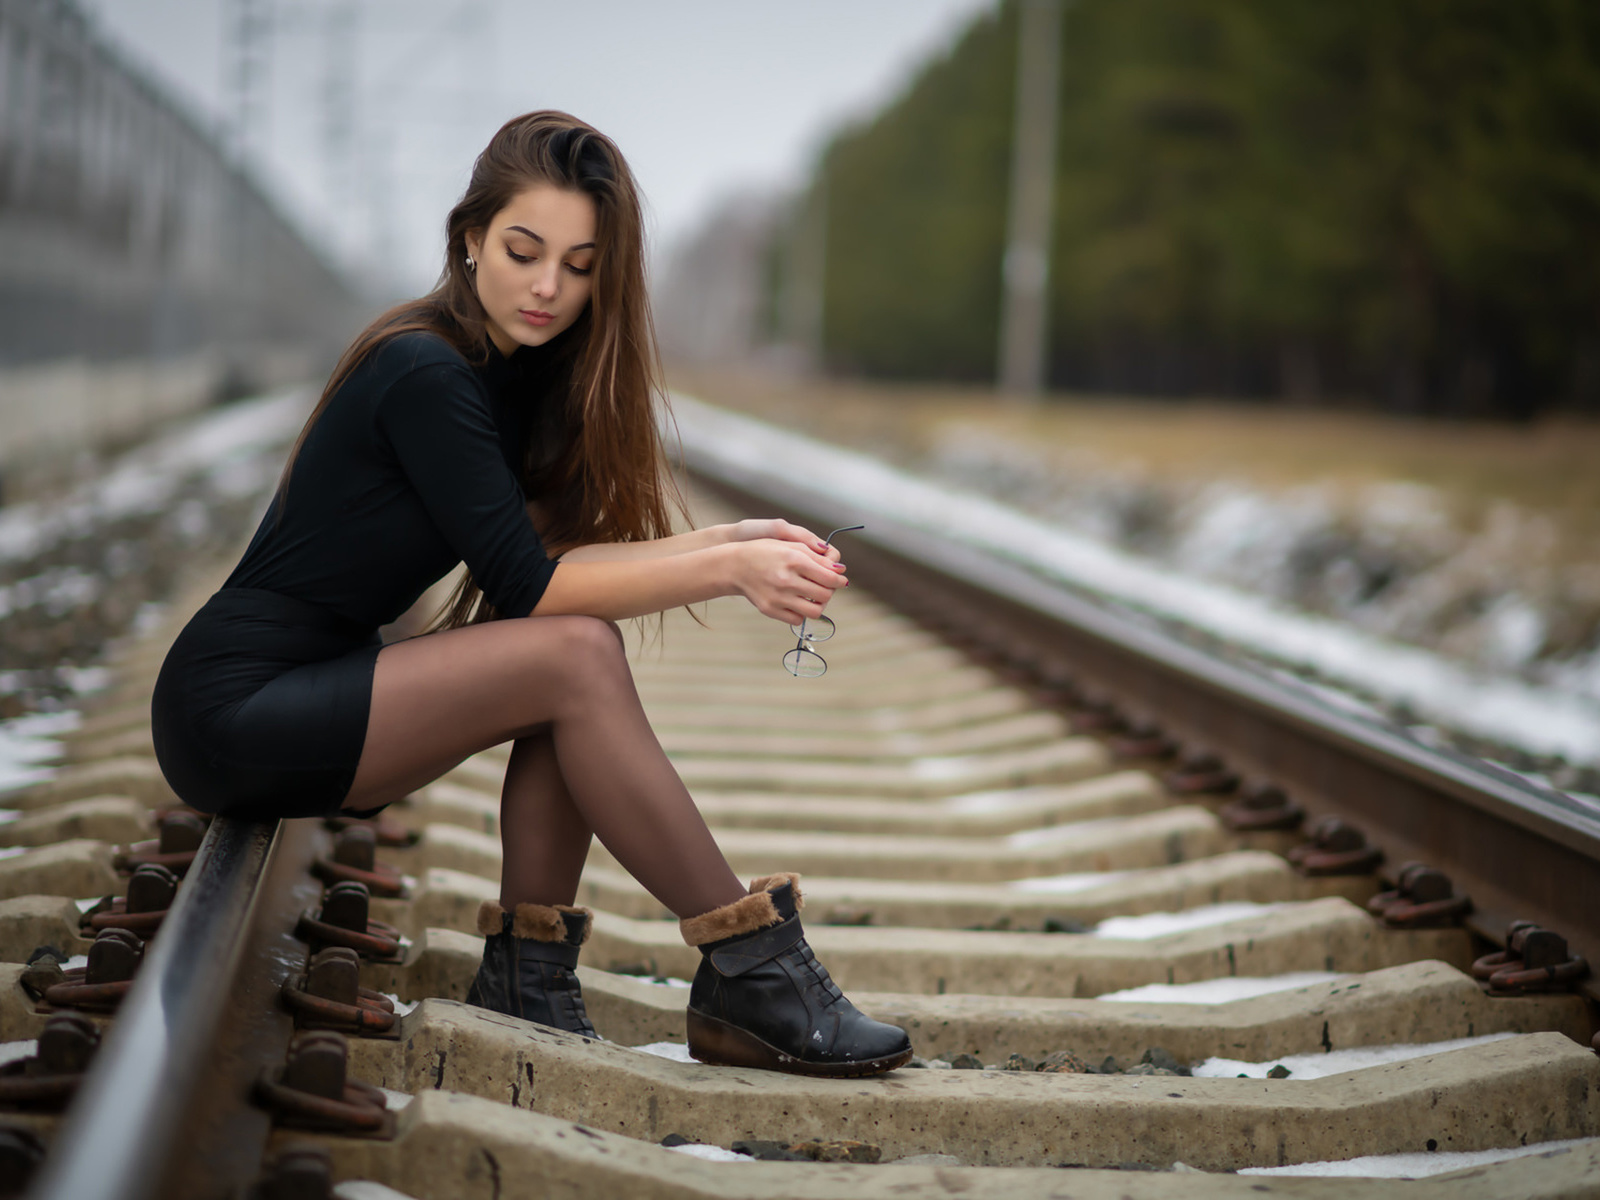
1396	199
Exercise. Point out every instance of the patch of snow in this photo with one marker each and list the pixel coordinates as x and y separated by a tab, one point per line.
1514	633
1337	1062
1580	674
1219	991
366	1189
1155	925
231	444
1054	835
938	768
985	802
676	1051
45	724
1539	719
28	743
1585	799
58	591
709	1153
148	619
1062	884
84	680
1417	1166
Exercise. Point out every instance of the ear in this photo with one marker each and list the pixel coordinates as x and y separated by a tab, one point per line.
474	240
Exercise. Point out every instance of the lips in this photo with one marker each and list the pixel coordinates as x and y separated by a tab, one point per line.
535	316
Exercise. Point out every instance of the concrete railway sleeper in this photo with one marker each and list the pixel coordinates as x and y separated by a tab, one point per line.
1091	928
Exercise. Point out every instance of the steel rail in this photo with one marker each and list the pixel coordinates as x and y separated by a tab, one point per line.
1521	851
122	1134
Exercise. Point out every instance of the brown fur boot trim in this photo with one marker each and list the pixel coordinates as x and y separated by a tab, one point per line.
490	918
767	882
541	922
745	915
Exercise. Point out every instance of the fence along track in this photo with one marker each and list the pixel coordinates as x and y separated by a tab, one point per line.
907	849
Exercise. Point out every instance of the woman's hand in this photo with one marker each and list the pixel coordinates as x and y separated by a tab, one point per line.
777	529
786	578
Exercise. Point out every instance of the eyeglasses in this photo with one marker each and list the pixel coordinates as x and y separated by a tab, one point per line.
803	662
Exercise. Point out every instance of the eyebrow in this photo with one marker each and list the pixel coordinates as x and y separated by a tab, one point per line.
540	240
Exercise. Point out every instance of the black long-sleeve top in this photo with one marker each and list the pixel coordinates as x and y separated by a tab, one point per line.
412	468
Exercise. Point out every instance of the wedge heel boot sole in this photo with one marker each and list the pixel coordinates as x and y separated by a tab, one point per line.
714	1041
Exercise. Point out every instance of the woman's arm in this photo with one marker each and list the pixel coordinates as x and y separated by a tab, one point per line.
785	579
697	539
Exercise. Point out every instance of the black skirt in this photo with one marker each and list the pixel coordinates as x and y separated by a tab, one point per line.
261	706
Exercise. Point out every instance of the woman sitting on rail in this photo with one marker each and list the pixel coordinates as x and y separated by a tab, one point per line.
507	419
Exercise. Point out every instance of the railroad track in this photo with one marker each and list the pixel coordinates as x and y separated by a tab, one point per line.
1008	804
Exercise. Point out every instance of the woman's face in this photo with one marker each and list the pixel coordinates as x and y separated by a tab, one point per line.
533	265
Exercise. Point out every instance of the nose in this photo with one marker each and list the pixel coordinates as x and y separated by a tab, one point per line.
547	280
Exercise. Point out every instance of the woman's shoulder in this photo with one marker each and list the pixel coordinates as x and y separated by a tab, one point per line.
413	350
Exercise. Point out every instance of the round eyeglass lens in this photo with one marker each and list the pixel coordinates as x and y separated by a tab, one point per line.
804	664
814	629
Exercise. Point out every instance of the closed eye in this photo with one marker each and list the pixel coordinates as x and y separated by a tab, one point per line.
528	258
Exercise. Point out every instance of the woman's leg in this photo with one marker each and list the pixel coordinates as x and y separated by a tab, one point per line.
546	838
439	698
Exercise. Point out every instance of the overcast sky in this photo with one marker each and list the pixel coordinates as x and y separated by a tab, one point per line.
705	97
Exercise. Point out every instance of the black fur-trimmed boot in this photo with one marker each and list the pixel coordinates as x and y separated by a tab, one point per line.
530	960
761	999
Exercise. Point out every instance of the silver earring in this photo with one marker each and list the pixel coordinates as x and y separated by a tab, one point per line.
472	264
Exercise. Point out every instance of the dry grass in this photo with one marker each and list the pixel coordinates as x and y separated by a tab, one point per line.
1550	468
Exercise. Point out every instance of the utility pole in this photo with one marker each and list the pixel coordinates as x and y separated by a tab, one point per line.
337	102
248	32
383	239
800	301
1026	268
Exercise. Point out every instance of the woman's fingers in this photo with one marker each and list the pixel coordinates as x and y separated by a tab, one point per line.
805	568
790	581
787	531
829	577
811	541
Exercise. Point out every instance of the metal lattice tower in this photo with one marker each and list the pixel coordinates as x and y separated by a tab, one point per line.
337	99
247	31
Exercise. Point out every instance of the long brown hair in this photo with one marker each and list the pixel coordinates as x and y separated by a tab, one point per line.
606	480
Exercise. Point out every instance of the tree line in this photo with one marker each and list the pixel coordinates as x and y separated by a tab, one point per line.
1391	202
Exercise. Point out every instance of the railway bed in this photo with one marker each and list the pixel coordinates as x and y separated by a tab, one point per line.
1029	828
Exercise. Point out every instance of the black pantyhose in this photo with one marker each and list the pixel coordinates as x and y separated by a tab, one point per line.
585	759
